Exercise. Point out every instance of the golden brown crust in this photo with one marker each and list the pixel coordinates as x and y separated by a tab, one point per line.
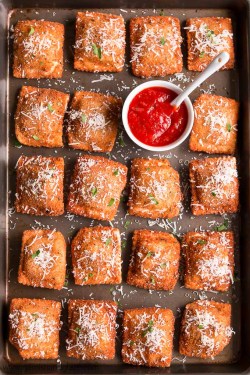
34	326
96	187
155	259
93	121
206	38
100	42
92	330
96	256
209	260
155	44
214	186
154	189
205	329
215	125
38	49
39	117
148	337
39	186
43	259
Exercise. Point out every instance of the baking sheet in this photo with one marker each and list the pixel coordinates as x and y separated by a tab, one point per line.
222	83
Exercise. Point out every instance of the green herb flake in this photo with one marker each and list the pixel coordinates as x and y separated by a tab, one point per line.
150	254
97	51
200	326
121	141
201	242
78	330
213	194
111	202
127	224
152	280
36	138
17	144
32	30
222	227
229	127
210	33
35	315
153	199
163	41
131	343
116	172
50	108
83	118
149	328
148	169
94	191
161	12
124	242
108	241
90	274
163	265
202	54
35	254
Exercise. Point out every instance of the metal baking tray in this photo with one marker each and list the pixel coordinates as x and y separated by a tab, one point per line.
236	357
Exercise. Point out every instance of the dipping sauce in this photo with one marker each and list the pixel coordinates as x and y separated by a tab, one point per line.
152	119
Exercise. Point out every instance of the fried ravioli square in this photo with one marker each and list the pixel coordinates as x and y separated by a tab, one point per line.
38	49
96	187
96	256
155	44
39	185
205	329
34	326
100	42
43	259
154	189
214	186
148	337
209	260
206	38
39	117
92	329
93	121
155	260
215	125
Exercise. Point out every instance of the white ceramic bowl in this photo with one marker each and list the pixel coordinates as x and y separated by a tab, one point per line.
172	87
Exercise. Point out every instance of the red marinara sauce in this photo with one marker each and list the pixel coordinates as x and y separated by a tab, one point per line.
152	119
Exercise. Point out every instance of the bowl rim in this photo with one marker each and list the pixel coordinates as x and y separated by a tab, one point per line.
157	83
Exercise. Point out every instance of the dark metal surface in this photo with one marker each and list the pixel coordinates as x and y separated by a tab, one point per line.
235	84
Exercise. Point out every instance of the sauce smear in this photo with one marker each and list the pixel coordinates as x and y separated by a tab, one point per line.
153	120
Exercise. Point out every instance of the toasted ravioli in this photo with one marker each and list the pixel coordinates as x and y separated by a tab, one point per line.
154	189
38	49
148	337
155	44
205	329
96	187
206	38
100	42
215	125
39	185
96	256
34	326
214	186
39	117
93	121
91	329
43	259
209	260
155	260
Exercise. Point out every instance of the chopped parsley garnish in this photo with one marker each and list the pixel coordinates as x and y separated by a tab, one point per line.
201	242
163	265
116	172
97	51
84	118
152	280
210	33
124	242
131	343
17	143
121	141
162	12
94	191
35	254
90	275
32	30
36	138
200	326
148	169
222	227
229	127
127	224
153	199
163	41
149	328
150	254
35	315
77	330
213	194
108	241
111	202
202	54
50	108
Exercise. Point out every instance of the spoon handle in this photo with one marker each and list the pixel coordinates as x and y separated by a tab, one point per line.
215	65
